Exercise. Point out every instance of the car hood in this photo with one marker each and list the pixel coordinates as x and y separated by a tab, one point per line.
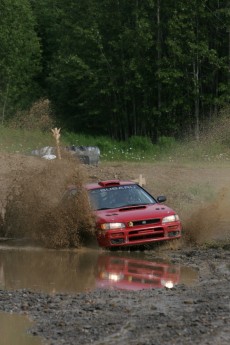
132	213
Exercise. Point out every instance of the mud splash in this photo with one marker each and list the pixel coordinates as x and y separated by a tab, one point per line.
210	223
35	207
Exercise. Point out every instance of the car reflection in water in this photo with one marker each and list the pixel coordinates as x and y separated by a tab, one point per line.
55	271
133	274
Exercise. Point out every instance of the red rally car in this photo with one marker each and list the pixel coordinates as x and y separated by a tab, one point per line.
127	215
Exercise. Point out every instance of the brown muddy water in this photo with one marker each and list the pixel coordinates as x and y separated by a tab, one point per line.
72	271
86	269
13	330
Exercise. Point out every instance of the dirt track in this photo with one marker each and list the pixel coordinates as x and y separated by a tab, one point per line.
183	315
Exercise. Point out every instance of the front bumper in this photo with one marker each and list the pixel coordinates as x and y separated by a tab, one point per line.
138	235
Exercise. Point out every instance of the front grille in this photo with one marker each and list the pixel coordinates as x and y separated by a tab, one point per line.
145	234
146	221
146	237
145	281
117	241
152	231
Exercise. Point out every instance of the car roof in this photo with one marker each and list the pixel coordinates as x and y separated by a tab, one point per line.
108	183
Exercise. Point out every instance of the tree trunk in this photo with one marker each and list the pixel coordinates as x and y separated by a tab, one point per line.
158	54
4	104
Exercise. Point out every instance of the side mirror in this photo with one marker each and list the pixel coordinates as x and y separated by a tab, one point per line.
161	198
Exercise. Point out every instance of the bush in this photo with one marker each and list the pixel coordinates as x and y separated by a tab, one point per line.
166	142
140	143
104	144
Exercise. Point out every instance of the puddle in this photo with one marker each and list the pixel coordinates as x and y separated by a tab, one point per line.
13	330
58	271
135	273
50	271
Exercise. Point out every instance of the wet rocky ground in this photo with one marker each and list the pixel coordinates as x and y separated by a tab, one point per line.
197	314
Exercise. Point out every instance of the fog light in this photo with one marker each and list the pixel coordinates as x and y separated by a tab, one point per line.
173	233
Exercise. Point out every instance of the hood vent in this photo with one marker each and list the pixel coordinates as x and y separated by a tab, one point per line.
132	208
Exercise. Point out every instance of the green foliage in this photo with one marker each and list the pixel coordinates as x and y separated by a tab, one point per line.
139	143
105	144
121	69
24	141
19	56
166	142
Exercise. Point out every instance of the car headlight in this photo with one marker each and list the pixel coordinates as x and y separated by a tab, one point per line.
167	283
110	226
111	276
172	218
115	277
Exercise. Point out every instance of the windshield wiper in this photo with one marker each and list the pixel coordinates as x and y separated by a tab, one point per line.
139	204
128	205
103	208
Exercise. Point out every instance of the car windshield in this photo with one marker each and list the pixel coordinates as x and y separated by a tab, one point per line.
119	196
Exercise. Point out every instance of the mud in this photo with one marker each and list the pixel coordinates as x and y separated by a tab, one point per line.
13	330
33	204
196	314
183	315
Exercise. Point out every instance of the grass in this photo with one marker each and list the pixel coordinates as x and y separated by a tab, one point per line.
136	149
23	141
31	129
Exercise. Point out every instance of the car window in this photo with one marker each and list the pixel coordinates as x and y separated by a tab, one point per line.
119	196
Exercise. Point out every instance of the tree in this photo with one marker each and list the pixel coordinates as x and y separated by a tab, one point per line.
126	68
193	62
100	63
19	56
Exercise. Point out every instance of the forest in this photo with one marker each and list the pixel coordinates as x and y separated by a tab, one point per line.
119	68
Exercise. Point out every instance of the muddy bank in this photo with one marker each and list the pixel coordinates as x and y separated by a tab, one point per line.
183	315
